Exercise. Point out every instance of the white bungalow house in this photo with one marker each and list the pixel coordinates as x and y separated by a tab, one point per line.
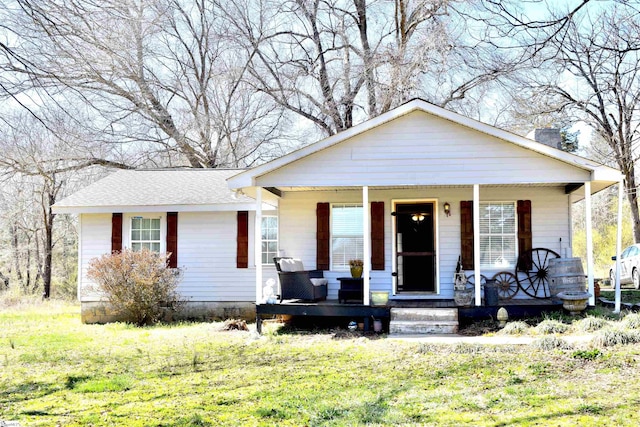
409	192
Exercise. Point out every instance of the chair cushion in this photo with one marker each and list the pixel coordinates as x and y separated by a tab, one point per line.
319	282
291	264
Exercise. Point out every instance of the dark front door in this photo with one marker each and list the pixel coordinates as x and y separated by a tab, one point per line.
415	247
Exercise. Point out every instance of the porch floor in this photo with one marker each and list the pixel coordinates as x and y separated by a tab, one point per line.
517	309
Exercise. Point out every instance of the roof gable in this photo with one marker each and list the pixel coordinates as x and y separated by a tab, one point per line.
306	156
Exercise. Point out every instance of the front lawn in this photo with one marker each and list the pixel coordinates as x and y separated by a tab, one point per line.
56	371
627	295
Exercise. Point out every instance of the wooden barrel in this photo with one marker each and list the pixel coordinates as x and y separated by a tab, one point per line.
565	275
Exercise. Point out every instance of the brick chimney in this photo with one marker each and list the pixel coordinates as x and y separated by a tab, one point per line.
549	136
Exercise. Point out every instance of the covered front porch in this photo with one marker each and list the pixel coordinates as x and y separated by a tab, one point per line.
413	191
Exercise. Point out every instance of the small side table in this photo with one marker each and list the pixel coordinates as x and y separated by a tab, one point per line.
350	289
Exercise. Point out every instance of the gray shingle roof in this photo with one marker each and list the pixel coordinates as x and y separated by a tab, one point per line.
131	188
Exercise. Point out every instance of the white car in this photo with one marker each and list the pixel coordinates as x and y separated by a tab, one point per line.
629	266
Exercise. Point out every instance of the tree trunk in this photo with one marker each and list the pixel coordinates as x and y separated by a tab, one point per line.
630	187
15	246
48	247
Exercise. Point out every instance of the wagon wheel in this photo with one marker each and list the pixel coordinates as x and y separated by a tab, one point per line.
507	284
471	280
532	272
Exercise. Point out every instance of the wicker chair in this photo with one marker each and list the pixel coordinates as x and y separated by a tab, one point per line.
298	283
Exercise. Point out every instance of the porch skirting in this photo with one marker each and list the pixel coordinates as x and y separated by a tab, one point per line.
517	309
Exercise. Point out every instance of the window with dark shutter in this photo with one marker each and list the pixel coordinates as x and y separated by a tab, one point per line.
322	236
242	252
377	235
497	243
116	232
172	239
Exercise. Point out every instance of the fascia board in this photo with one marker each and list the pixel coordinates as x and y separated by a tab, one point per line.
221	207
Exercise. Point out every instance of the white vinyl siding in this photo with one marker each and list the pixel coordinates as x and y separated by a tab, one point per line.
419	148
498	235
207	261
346	235
269	239
145	234
550	226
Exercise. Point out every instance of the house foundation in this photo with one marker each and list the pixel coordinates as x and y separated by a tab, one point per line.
101	312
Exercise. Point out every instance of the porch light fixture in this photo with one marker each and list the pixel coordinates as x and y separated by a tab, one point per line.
417	217
447	209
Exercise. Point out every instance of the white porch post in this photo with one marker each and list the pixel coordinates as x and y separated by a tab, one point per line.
476	241
257	245
619	246
587	208
366	244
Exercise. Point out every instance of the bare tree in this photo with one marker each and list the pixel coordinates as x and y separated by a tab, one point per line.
38	164
161	75
591	72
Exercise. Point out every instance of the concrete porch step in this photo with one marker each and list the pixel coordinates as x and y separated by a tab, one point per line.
424	314
399	327
425	321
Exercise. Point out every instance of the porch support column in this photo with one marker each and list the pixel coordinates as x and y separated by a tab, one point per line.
476	242
257	245
619	246
587	208
366	244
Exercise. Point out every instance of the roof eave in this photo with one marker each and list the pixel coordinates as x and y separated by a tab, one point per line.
218	207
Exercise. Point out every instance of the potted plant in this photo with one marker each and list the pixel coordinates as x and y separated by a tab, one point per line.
356	266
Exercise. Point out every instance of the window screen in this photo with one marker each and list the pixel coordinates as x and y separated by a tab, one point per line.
269	238
346	235
498	235
145	233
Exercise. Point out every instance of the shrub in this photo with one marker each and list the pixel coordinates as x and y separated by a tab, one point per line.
631	321
551	343
615	336
515	328
138	285
590	324
550	326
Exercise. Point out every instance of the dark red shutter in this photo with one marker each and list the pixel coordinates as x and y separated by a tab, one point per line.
466	234
116	232
242	253
172	238
525	235
377	235
323	236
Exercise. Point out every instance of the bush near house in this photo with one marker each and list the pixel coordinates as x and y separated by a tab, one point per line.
137	284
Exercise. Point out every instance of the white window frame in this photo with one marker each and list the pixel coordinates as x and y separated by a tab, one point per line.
496	262
127	226
263	240
342	264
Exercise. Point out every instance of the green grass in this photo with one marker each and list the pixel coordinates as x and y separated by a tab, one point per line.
627	295
56	371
